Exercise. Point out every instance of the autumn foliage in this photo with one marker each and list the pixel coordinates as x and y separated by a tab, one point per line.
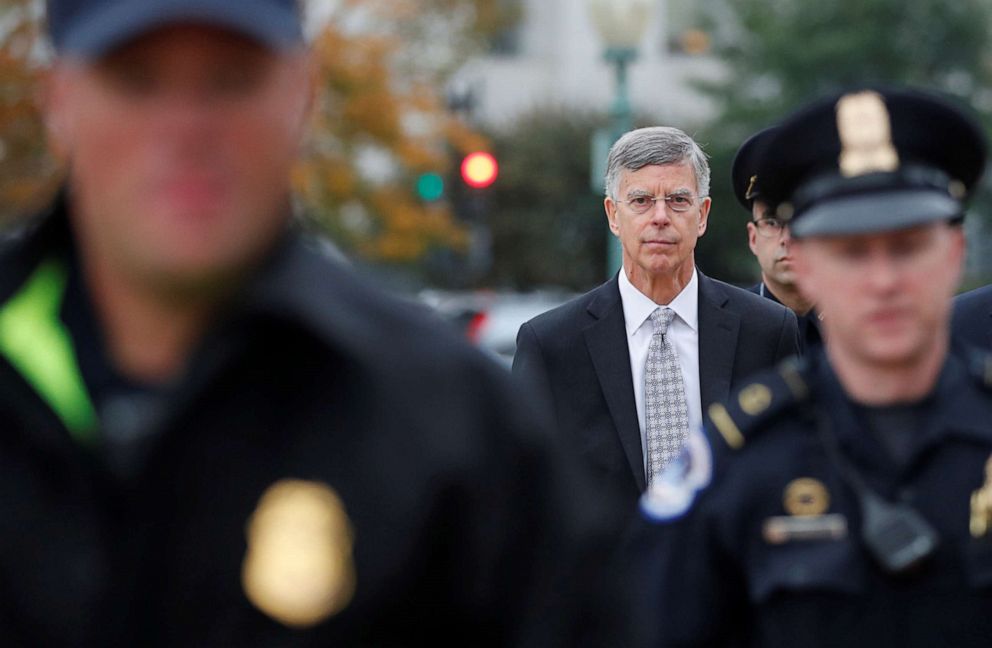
27	172
380	119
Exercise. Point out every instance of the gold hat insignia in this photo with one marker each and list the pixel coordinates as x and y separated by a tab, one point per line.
299	568
865	132
806	497
981	505
749	192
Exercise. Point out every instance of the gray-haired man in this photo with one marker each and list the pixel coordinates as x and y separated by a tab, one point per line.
629	367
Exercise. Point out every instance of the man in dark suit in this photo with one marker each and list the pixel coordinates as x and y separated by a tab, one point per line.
769	240
971	324
594	358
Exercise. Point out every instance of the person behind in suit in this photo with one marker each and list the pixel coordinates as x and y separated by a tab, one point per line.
769	239
623	389
971	323
214	433
845	498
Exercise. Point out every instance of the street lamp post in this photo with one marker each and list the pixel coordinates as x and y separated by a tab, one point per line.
621	25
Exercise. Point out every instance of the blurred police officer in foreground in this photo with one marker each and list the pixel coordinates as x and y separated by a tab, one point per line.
847	501
768	238
212	434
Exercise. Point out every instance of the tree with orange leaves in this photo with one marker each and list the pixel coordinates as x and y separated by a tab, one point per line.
380	119
27	172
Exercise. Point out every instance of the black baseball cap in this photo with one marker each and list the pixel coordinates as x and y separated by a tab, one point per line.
744	173
870	160
92	28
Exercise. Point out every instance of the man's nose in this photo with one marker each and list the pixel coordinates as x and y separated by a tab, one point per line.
784	237
659	213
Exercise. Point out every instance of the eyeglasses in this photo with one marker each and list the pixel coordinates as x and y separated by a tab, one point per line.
676	202
769	226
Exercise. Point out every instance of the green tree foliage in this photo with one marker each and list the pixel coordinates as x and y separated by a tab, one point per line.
548	225
782	53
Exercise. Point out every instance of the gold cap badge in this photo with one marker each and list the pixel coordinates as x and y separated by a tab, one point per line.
806	497
749	192
865	135
981	505
299	568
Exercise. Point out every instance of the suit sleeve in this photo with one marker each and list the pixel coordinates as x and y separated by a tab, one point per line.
530	369
788	341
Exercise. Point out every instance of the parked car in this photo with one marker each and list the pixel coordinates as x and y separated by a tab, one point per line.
491	319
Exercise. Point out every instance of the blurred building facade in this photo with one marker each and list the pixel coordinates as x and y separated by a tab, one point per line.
553	58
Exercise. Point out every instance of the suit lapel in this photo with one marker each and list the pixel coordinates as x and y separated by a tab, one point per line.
718	329
606	339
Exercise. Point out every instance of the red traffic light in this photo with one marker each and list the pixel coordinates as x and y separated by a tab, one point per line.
479	169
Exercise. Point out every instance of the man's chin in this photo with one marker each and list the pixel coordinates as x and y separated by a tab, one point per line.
893	350
784	276
187	276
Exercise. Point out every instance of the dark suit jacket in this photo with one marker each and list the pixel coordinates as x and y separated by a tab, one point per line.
971	324
576	357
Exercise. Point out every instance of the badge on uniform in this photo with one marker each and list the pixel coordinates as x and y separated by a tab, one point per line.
298	568
807	501
673	490
981	506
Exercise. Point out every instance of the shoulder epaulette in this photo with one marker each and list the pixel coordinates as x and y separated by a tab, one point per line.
763	398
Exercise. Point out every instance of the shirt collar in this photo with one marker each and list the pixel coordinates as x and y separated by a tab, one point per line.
637	307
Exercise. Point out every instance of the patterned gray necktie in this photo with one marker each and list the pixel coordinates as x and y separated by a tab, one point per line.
666	414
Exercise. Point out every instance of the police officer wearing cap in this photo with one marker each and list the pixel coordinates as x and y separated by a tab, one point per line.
768	238
215	434
846	499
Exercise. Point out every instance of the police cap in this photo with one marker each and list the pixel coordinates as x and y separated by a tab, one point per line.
92	28
744	174
872	160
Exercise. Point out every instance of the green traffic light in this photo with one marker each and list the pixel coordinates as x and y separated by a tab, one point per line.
430	186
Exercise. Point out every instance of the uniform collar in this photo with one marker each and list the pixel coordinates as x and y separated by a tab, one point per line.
959	406
284	284
637	307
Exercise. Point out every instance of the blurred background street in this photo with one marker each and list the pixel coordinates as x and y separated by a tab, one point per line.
408	89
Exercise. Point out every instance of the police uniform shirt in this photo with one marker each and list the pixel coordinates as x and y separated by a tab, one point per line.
767	550
126	407
895	427
320	413
683	335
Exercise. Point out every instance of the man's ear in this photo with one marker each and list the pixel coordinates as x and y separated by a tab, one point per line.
304	89
752	237
704	215
54	105
611	215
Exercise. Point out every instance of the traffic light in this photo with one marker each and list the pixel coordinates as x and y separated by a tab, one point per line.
430	186
479	169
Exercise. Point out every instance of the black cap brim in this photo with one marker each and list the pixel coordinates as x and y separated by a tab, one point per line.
875	212
121	22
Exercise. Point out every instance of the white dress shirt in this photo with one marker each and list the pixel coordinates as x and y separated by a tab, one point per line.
683	335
